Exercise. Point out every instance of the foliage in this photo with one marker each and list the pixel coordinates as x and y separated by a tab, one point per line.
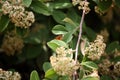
56	24
34	75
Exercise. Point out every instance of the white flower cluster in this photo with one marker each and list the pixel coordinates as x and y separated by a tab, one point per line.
82	5
17	13
9	75
62	62
95	49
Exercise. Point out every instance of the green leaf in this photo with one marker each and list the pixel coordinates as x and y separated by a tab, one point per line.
112	46
68	37
59	16
34	75
51	74
62	5
21	31
104	4
71	28
70	21
38	36
117	2
4	21
60	43
59	29
90	64
116	59
90	33
40	8
90	78
81	74
27	2
46	66
72	14
56	43
32	51
105	77
52	45
64	78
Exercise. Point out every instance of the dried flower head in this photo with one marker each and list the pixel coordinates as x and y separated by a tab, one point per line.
117	68
94	74
116	53
105	34
12	43
62	63
95	49
83	5
9	75
104	67
97	10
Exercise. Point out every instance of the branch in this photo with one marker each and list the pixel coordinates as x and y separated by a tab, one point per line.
80	33
78	41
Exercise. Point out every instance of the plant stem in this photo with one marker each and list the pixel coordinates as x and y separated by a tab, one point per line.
79	36
78	41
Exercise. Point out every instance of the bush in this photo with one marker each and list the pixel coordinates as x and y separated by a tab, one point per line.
60	39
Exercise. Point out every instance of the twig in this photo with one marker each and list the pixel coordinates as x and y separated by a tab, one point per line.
78	42
80	33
